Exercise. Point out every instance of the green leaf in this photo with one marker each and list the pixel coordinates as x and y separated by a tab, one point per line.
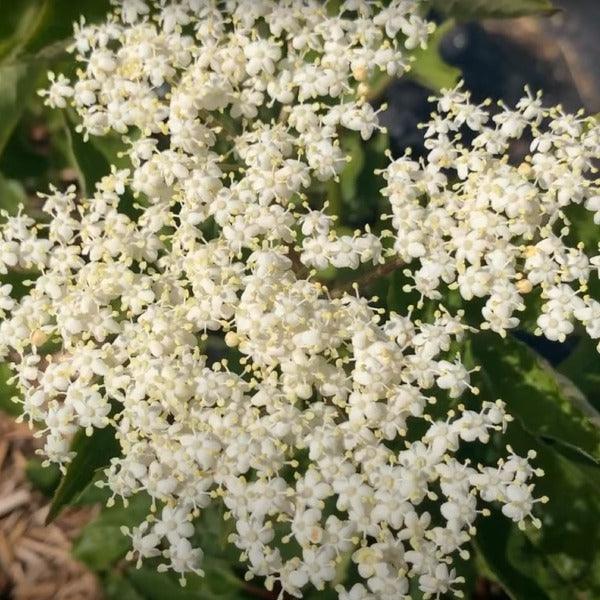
92	453
158	586
45	479
355	198
11	194
556	551
18	82
485	9
572	453
40	23
535	394
334	198
367	202
582	367
20	282
7	392
92	493
219	580
212	531
34	27
552	556
91	165
326	594
116	587
101	544
396	299
429	68
92	159
216	585
353	147
20	26
491	543
112	148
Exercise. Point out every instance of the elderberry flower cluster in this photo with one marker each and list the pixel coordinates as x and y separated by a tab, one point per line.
476	217
321	435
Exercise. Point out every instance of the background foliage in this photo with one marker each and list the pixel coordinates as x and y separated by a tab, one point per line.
555	407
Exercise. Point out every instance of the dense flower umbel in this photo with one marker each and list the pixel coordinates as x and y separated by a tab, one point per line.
491	229
232	111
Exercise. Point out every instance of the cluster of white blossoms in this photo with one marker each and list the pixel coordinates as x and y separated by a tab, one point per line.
321	435
473	220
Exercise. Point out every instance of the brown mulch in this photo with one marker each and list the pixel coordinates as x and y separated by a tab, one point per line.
35	560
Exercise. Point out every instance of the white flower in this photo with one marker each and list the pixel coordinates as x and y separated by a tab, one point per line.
493	234
233	114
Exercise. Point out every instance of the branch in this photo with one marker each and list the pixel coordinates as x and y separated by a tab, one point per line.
297	266
368	278
259	592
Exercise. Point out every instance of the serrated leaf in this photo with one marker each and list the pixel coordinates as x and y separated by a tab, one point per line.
534	393
429	68
92	453
485	9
